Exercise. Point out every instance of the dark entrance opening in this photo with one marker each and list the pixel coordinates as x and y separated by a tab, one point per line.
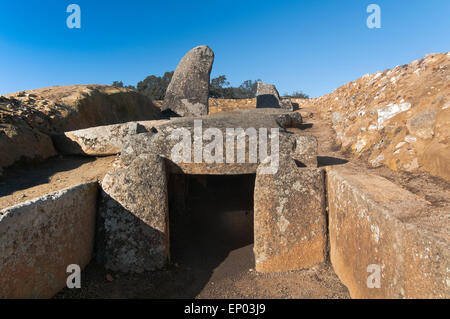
211	225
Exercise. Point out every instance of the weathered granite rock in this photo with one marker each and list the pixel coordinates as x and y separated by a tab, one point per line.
133	221
67	108
134	209
267	96
41	237
188	91
22	143
286	103
289	120
306	149
374	224
101	140
258	122
290	219
29	118
422	125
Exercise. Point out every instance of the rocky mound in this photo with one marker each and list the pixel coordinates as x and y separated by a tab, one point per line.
67	108
28	118
399	118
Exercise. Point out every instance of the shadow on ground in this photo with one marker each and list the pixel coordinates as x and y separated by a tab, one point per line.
20	177
329	161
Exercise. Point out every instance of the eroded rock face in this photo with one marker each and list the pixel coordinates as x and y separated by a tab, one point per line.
290	219
29	118
66	108
422	125
305	151
267	96
40	238
399	118
101	140
22	143
188	91
248	120
133	224
377	228
289	120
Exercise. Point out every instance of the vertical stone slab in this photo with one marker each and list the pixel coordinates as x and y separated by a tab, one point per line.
267	96
373	222
290	219
188	91
134	216
306	150
41	237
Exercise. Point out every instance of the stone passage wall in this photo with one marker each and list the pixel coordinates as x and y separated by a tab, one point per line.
41	237
133	225
374	222
290	219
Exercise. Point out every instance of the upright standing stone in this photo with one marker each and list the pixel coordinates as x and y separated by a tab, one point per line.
188	92
290	218
132	227
267	96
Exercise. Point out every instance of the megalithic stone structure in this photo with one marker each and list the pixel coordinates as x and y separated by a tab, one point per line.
188	91
267	96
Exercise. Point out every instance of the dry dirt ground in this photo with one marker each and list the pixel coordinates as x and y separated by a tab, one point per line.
233	278
19	184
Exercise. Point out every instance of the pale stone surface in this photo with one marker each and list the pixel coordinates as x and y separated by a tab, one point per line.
133	224
267	96
28	118
101	140
22	143
374	222
67	108
162	144
290	219
390	111
306	149
286	103
422	125
337	117
41	237
290	120
188	91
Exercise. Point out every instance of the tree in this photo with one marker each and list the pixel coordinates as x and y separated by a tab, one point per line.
297	95
118	84
220	88
247	90
155	86
217	87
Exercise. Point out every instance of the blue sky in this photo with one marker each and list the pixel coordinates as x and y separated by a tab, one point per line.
313	46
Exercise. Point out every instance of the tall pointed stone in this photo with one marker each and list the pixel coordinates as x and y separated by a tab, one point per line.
188	91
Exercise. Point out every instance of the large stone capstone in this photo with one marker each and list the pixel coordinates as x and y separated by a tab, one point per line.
188	91
134	211
267	96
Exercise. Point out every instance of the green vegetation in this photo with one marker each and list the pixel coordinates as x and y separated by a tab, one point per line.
155	88
297	95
